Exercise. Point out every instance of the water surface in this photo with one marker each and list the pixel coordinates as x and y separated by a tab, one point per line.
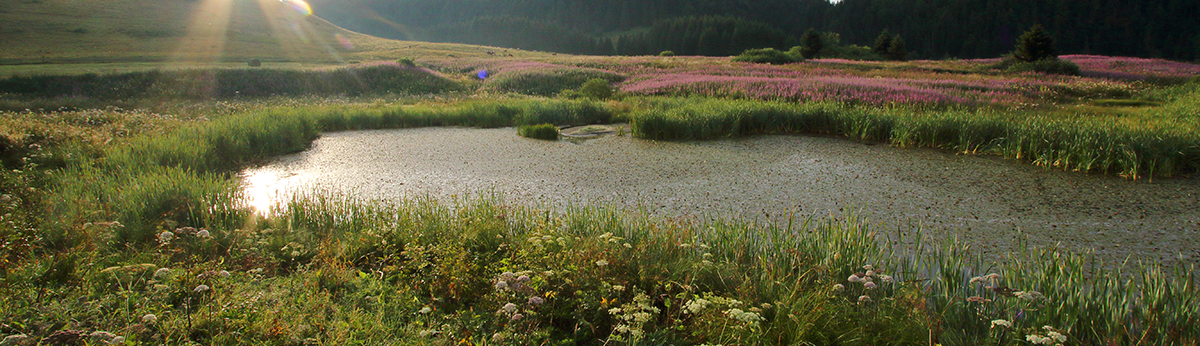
980	199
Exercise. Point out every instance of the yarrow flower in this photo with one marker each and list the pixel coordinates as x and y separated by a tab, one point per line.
536	301
149	319
886	279
869	285
601	263
696	306
161	273
744	316
864	299
165	237
425	310
839	287
854	278
203	233
201	288
501	285
223	273
510	307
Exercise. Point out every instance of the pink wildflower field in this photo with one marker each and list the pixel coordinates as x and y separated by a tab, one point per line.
925	82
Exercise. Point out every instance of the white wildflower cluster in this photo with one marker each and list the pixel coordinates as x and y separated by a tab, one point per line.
870	278
1002	323
608	237
744	316
165	238
540	241
601	263
509	281
633	316
696	306
516	283
1052	337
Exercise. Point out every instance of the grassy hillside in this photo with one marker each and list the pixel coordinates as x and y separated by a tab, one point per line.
197	33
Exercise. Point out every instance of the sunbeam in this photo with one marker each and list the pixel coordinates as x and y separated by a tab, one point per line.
206	33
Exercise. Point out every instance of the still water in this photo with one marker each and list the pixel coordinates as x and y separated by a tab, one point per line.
983	200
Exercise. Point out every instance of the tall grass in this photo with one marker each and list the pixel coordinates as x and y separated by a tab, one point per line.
1150	144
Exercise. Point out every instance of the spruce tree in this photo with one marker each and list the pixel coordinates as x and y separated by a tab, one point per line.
897	50
1035	44
882	43
810	44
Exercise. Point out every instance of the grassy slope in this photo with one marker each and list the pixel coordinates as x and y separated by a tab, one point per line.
187	32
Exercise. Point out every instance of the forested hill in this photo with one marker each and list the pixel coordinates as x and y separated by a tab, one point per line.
931	28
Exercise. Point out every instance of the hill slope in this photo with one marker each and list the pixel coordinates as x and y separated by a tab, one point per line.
931	28
188	32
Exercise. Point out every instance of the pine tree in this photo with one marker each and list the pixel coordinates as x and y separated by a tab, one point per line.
1035	44
811	44
882	43
897	50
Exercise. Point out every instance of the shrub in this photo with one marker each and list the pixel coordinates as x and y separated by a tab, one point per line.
666	53
407	62
765	56
254	63
849	52
596	88
540	131
1035	45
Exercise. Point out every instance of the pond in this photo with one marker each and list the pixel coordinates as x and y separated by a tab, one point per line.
984	200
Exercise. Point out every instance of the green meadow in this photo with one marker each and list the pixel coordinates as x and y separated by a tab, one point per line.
122	219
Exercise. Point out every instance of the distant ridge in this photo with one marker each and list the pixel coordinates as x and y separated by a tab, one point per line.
75	31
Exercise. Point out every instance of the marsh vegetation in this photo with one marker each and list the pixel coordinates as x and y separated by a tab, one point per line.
122	210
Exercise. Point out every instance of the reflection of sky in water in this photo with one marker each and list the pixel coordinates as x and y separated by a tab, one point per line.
983	200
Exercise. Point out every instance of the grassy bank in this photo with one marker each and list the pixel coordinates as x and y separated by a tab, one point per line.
381	78
130	223
1136	143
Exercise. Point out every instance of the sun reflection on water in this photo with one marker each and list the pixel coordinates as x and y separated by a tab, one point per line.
264	187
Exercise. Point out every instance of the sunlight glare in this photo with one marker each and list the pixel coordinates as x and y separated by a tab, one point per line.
264	188
299	6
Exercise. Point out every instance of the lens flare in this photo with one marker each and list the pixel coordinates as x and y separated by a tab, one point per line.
344	41
299	6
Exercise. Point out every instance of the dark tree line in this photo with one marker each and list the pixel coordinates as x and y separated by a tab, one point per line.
931	28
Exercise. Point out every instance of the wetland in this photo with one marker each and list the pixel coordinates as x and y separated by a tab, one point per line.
986	201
